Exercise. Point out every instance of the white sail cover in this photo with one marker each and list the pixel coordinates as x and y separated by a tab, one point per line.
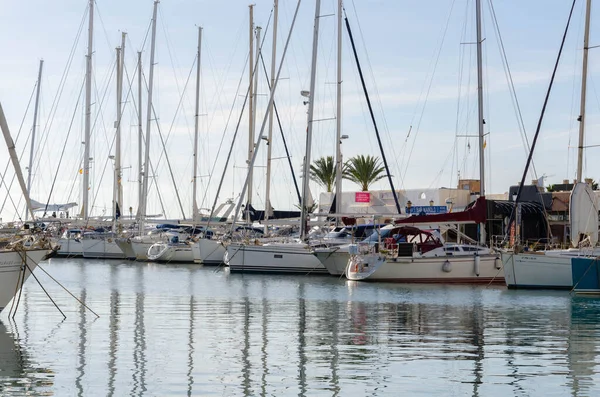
583	213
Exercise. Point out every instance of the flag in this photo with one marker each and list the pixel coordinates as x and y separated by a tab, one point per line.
81	170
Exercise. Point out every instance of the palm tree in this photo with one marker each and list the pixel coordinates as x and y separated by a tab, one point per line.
322	171
364	170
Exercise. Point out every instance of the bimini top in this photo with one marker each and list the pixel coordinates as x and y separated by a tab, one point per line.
476	214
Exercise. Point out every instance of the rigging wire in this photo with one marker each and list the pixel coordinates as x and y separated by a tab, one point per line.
539	125
437	59
509	77
64	148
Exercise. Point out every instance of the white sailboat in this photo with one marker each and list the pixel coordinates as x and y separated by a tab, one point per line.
552	269
174	249
288	257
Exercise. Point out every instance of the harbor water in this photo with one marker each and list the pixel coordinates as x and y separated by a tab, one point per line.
172	330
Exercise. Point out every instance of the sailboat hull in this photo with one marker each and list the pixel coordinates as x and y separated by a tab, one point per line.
208	252
273	258
537	271
461	270
69	247
101	248
10	271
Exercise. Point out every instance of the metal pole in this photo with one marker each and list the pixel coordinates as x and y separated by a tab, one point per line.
118	142
88	113
33	129
480	119
251	111
338	121
118	166
311	106
149	113
197	121
268	206
586	38
140	140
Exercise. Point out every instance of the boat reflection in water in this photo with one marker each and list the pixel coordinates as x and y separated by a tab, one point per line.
189	330
18	374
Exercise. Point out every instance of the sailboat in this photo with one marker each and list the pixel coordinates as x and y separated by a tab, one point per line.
175	249
288	257
552	269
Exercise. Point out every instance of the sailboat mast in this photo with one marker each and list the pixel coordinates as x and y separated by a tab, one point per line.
338	119
88	113
480	119
197	121
118	140
118	166
250	111
586	38
311	105
140	140
149	113
268	206
34	127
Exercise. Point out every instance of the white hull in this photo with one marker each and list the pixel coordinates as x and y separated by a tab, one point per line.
181	253
140	248
334	261
69	247
273	258
462	270
10	271
539	270
208	252
126	248
101	248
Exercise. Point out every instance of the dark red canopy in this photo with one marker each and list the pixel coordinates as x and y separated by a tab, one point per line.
476	214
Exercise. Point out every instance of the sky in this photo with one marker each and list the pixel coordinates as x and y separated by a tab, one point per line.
419	64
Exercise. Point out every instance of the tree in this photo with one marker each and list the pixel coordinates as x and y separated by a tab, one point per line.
364	170
322	171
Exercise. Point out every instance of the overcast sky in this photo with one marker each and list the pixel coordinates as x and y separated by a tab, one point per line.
419	63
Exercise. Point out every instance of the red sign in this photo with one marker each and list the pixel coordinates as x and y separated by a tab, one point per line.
362	197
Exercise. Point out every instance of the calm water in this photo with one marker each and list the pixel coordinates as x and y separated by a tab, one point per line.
187	330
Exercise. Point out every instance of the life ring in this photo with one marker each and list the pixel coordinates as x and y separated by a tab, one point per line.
355	267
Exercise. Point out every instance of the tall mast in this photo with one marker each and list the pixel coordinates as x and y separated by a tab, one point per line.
265	119
586	38
250	111
118	141
480	119
88	113
194	175
117	189
338	119
140	140
268	206
311	106
33	129
10	144
118	167
149	113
